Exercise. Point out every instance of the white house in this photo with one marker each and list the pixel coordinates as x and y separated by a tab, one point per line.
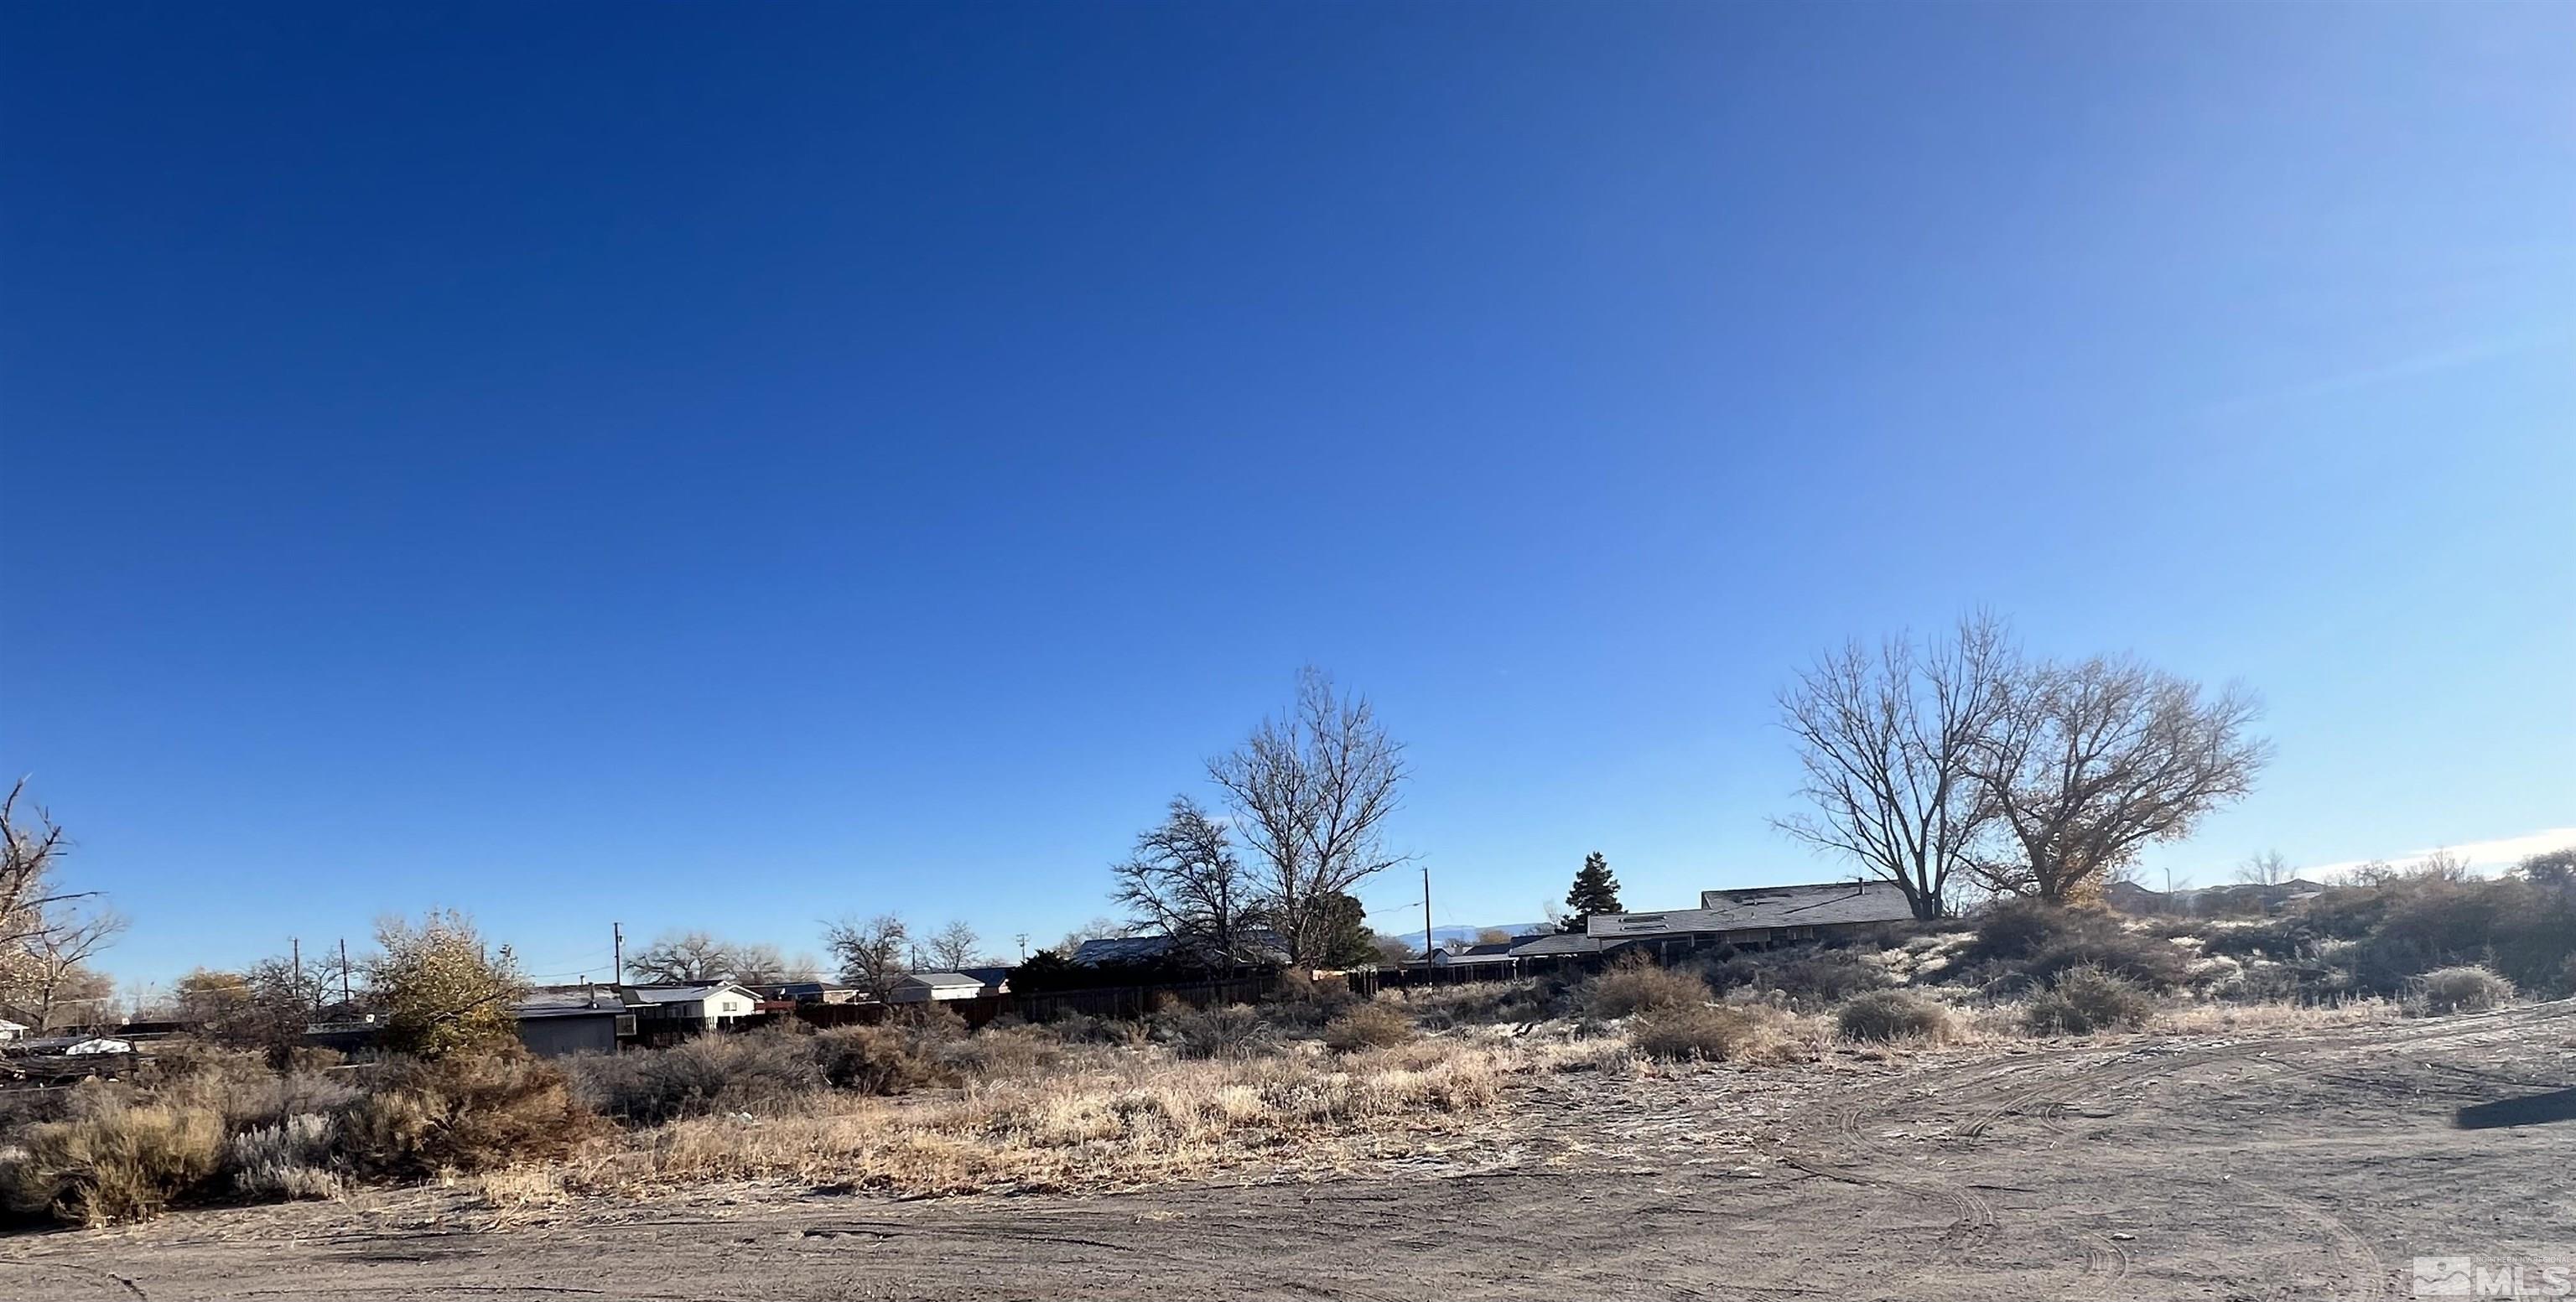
714	1004
10	1030
930	987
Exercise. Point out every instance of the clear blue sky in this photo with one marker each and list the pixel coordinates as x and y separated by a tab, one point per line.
740	464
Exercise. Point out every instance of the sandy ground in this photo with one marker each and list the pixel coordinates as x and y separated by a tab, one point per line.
2304	1165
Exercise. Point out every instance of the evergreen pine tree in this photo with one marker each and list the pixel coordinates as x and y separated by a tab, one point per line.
1595	891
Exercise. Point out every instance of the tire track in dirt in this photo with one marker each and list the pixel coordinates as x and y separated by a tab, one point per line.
2098	1071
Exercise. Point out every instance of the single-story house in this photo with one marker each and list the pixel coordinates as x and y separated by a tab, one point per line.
1555	946
10	1030
934	987
711	1004
557	1022
1761	915
996	978
1263	944
1489	953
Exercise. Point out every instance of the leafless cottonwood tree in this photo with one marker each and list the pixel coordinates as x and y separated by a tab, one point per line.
681	957
759	963
2089	762
952	947
31	847
871	952
1888	741
1185	881
1311	791
57	961
46	933
2266	869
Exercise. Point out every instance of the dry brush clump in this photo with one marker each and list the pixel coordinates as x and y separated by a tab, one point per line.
1112	1119
1634	985
1885	1015
1706	1032
113	1159
2465	989
1369	1026
2087	1001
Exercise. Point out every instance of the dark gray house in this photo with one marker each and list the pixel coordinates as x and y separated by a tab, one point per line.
553	1023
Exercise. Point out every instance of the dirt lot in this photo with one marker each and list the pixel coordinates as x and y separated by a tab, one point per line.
2303	1165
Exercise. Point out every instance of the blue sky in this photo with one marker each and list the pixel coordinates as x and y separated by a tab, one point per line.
738	465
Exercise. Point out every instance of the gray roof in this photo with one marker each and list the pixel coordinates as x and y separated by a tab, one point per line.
991	976
1564	942
1145	949
942	979
1762	908
568	1003
682	994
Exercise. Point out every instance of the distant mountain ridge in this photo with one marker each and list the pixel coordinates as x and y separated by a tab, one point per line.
1443	935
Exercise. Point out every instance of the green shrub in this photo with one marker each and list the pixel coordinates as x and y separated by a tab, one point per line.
2083	1001
1634	985
1698	1032
2466	989
113	1160
1891	1015
1369	1026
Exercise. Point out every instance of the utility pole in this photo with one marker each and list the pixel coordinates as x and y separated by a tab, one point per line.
1023	938
1426	917
617	946
296	948
344	970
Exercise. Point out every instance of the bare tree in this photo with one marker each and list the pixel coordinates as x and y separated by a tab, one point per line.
1185	881
31	847
57	959
1311	791
953	946
1888	741
1393	951
1097	929
681	958
871	952
759	964
2266	869
2090	762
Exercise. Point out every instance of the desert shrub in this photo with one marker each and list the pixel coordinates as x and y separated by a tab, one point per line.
1484	1003
1808	977
873	1060
1634	985
112	1159
2466	989
2040	940
1369	1026
1303	1005
463	1112
2280	941
1002	1053
1698	1031
1890	1015
291	1159
2082	1001
713	1073
1230	1032
1083	1028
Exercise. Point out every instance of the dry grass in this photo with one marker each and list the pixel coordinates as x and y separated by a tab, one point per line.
1123	1118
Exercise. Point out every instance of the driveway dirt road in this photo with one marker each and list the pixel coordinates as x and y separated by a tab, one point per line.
2286	1166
